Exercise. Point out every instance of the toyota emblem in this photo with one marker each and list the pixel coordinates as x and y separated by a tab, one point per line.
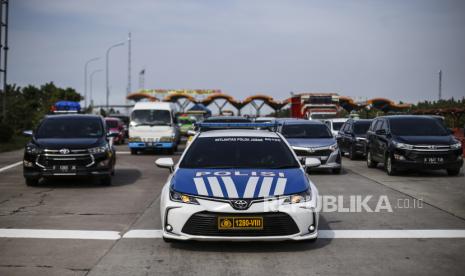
240	204
64	151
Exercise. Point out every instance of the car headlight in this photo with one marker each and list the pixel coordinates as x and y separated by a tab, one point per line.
333	147
135	139
100	149
402	145
456	146
298	198
32	149
166	139
178	197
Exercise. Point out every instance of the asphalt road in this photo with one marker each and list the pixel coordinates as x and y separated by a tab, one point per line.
132	203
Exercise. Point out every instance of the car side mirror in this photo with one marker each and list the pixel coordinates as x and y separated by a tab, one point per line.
112	134
166	163
312	162
191	132
380	132
28	133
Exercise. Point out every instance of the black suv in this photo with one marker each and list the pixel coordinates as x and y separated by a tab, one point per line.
352	137
412	142
69	145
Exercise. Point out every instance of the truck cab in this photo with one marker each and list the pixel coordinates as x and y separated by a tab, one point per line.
153	126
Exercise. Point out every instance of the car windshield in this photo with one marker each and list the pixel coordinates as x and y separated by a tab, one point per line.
361	127
112	123
239	152
186	121
151	117
417	127
306	131
68	127
337	125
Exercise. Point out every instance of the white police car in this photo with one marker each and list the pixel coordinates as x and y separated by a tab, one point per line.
238	184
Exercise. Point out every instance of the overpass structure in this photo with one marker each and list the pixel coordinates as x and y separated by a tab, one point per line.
219	99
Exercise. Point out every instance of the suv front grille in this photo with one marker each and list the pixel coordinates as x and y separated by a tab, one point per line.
274	224
52	158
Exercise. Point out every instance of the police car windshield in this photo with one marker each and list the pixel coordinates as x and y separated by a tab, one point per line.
306	131
151	117
417	127
68	127
239	152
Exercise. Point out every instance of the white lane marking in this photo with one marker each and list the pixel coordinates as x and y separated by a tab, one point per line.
215	186
200	186
391	234
11	166
230	187
266	186
123	152
250	187
150	234
280	186
59	234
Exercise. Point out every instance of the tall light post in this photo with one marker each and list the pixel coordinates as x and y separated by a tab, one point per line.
85	79
91	86
106	70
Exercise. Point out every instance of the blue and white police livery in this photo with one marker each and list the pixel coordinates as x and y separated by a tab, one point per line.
238	184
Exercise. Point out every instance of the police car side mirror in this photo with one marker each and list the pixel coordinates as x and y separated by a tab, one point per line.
27	133
191	132
166	163
312	162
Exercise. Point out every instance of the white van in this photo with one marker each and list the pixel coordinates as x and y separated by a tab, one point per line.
153	126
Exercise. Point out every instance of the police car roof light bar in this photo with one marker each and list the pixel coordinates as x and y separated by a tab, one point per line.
206	126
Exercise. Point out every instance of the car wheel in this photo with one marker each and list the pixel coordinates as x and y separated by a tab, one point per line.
133	151
337	171
388	166
453	172
32	181
106	181
352	154
370	162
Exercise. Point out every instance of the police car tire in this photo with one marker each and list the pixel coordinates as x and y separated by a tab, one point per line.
168	240
106	181
32	181
133	151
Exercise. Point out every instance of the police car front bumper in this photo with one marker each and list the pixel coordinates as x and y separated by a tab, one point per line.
281	221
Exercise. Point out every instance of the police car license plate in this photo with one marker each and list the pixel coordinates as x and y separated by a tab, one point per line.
240	223
433	160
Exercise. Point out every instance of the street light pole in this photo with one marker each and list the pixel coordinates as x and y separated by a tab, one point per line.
85	79
91	86
106	71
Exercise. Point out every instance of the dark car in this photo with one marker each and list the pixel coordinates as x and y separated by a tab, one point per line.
69	145
412	142
116	127
352	137
311	138
125	120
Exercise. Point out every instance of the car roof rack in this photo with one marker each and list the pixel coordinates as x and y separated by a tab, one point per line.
216	126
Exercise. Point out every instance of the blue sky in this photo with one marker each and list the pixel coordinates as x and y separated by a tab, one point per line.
362	49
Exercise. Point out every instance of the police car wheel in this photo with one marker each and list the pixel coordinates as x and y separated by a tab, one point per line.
168	240
106	181
32	181
133	151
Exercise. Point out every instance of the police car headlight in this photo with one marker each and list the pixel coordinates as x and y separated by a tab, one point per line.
298	198
333	147
456	145
402	145
32	149
178	197
101	149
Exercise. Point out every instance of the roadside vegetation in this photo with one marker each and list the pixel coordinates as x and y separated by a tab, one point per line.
26	106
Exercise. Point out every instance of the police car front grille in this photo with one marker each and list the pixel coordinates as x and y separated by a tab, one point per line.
274	224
